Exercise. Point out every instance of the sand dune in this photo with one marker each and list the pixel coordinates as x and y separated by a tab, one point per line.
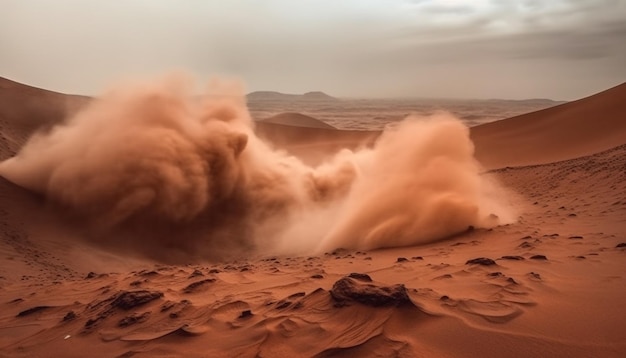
297	120
24	109
551	284
567	131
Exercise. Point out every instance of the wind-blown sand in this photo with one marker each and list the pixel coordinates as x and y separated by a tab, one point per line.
550	284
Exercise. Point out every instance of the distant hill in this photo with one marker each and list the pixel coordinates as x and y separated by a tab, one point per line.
531	101
277	96
298	120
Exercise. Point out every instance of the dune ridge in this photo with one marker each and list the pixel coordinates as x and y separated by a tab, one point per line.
566	131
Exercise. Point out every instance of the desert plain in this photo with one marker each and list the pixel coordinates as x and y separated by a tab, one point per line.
89	273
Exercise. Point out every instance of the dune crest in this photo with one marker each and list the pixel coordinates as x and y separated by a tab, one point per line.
147	153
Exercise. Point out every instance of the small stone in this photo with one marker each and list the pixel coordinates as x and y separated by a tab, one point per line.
401	259
525	245
534	275
417	258
512	257
91	275
130	299
69	316
480	261
511	280
538	257
576	237
245	314
317	276
196	273
621	244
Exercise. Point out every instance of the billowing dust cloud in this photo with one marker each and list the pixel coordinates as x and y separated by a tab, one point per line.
164	171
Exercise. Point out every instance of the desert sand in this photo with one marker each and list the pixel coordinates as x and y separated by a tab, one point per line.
550	283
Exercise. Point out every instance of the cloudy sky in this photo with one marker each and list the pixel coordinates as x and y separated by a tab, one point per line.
560	49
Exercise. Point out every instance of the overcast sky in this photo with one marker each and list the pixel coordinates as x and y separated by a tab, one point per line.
559	49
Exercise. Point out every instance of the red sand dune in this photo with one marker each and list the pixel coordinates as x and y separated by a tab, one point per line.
567	131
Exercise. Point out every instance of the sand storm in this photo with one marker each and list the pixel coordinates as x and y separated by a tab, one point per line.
149	158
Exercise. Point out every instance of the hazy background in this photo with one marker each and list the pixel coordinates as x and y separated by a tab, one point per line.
559	49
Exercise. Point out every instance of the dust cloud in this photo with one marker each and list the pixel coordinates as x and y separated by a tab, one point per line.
152	167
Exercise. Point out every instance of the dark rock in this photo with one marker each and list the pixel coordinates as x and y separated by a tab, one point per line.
130	299
92	321
572	215
196	273
401	259
444	298
538	257
196	285
526	237
348	290
481	261
148	273
417	258
512	257
245	314
32	310
135	283
495	274
581	257
91	275
525	245
443	277
214	271
621	244
317	276
577	237
132	319
69	316
360	276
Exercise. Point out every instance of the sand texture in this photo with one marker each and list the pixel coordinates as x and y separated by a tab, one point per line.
551	283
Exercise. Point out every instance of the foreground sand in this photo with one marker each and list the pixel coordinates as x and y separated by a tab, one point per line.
555	286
